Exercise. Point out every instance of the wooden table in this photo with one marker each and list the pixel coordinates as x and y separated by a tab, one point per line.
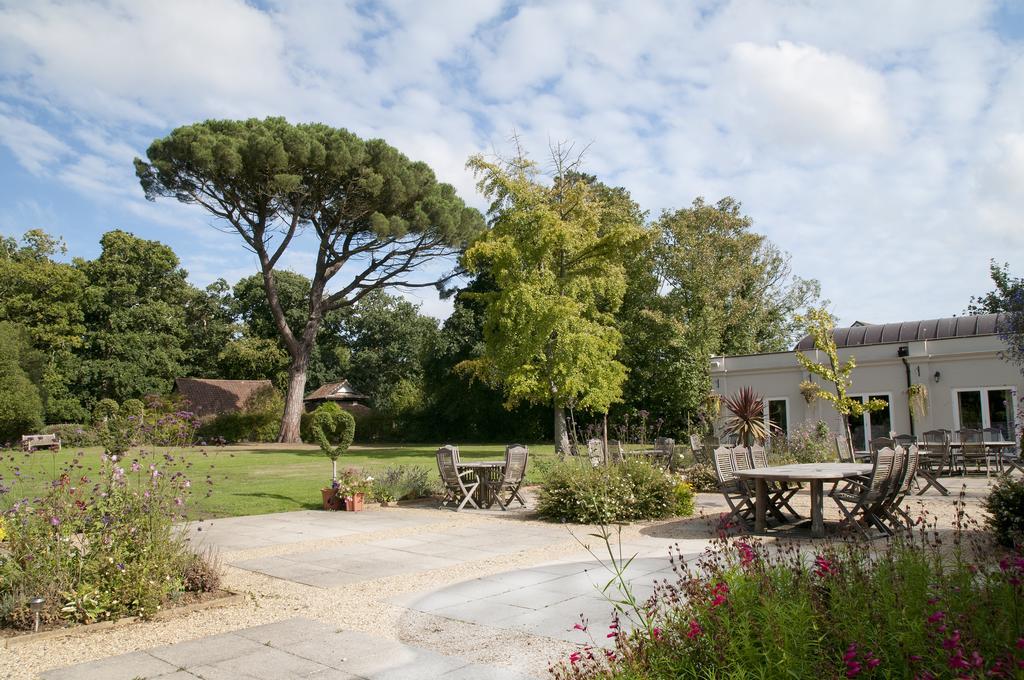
814	474
484	470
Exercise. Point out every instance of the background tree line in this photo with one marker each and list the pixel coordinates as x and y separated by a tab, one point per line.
698	282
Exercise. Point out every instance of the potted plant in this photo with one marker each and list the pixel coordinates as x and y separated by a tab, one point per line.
334	429
353	486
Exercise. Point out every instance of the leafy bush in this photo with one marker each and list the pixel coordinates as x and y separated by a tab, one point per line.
574	491
73	434
806	443
21	408
685	497
402	482
100	543
1005	507
701	477
909	609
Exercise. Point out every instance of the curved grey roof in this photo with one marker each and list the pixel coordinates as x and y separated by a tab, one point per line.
909	331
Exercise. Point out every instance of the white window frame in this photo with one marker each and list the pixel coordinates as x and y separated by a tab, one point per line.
864	397
986	418
766	411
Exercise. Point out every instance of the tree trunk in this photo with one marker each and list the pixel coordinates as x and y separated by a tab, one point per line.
562	447
293	404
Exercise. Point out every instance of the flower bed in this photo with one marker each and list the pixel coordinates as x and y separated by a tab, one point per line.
913	610
100	543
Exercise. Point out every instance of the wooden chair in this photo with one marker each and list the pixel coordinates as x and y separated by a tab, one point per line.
881	443
973	450
665	450
934	459
855	499
781	492
512	476
737	494
905	440
843	450
456	489
900	486
699	450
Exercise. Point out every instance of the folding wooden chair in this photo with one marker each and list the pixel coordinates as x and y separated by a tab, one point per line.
456	490
737	494
512	476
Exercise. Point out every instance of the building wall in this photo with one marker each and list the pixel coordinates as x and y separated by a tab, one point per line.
971	362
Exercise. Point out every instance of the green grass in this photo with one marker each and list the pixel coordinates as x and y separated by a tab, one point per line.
255	479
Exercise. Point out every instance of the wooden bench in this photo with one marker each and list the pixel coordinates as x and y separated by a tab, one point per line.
32	442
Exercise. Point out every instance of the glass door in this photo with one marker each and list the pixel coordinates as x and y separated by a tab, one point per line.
870	425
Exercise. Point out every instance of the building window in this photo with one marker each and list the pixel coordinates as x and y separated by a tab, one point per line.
979	408
872	424
776	411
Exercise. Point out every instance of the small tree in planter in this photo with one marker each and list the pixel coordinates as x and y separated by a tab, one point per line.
333	428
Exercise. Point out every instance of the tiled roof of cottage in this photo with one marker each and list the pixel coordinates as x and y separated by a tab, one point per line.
212	397
909	331
336	391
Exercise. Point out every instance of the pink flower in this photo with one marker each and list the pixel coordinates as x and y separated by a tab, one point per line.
958	662
55	521
873	662
657	633
853	669
953	641
579	626
936	617
747	553
695	630
824	567
575	657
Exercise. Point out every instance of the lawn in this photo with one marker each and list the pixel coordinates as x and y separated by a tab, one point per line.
254	479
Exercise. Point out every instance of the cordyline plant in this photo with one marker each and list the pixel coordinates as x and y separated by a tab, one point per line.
747	420
819	326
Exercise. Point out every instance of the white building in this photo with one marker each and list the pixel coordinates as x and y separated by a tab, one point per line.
958	361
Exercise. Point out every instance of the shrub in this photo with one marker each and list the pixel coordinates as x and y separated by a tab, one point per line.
574	491
908	609
73	434
807	443
177	429
100	543
402	482
685	497
1005	507
701	477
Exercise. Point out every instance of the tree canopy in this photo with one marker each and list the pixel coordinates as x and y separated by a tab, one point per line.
556	253
365	206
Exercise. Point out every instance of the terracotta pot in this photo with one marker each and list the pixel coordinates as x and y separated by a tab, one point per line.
331	500
355	502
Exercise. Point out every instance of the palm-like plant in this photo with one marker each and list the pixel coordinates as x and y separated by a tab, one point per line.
747	421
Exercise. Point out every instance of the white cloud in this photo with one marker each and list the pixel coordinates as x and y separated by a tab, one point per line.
797	95
879	142
33	147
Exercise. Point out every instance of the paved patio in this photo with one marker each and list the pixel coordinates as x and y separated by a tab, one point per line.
296	648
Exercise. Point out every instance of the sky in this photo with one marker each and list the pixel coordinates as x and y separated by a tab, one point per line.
880	143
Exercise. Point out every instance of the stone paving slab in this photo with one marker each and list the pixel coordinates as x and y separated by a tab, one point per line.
546	600
296	648
341	565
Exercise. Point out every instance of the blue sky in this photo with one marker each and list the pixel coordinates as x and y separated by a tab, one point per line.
880	143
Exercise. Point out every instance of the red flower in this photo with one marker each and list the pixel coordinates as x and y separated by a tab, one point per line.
695	630
656	633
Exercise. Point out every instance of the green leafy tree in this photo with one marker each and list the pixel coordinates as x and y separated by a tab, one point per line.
556	254
45	297
388	339
706	284
328	358
135	315
333	428
209	327
820	325
364	208
253	359
1004	297
21	405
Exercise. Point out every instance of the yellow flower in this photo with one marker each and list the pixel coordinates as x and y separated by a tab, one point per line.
3	529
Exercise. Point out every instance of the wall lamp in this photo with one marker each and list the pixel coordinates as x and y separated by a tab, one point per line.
937	376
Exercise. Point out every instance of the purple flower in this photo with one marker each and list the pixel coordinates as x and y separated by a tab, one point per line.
55	521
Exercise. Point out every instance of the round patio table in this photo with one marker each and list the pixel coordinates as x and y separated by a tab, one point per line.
813	474
484	470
